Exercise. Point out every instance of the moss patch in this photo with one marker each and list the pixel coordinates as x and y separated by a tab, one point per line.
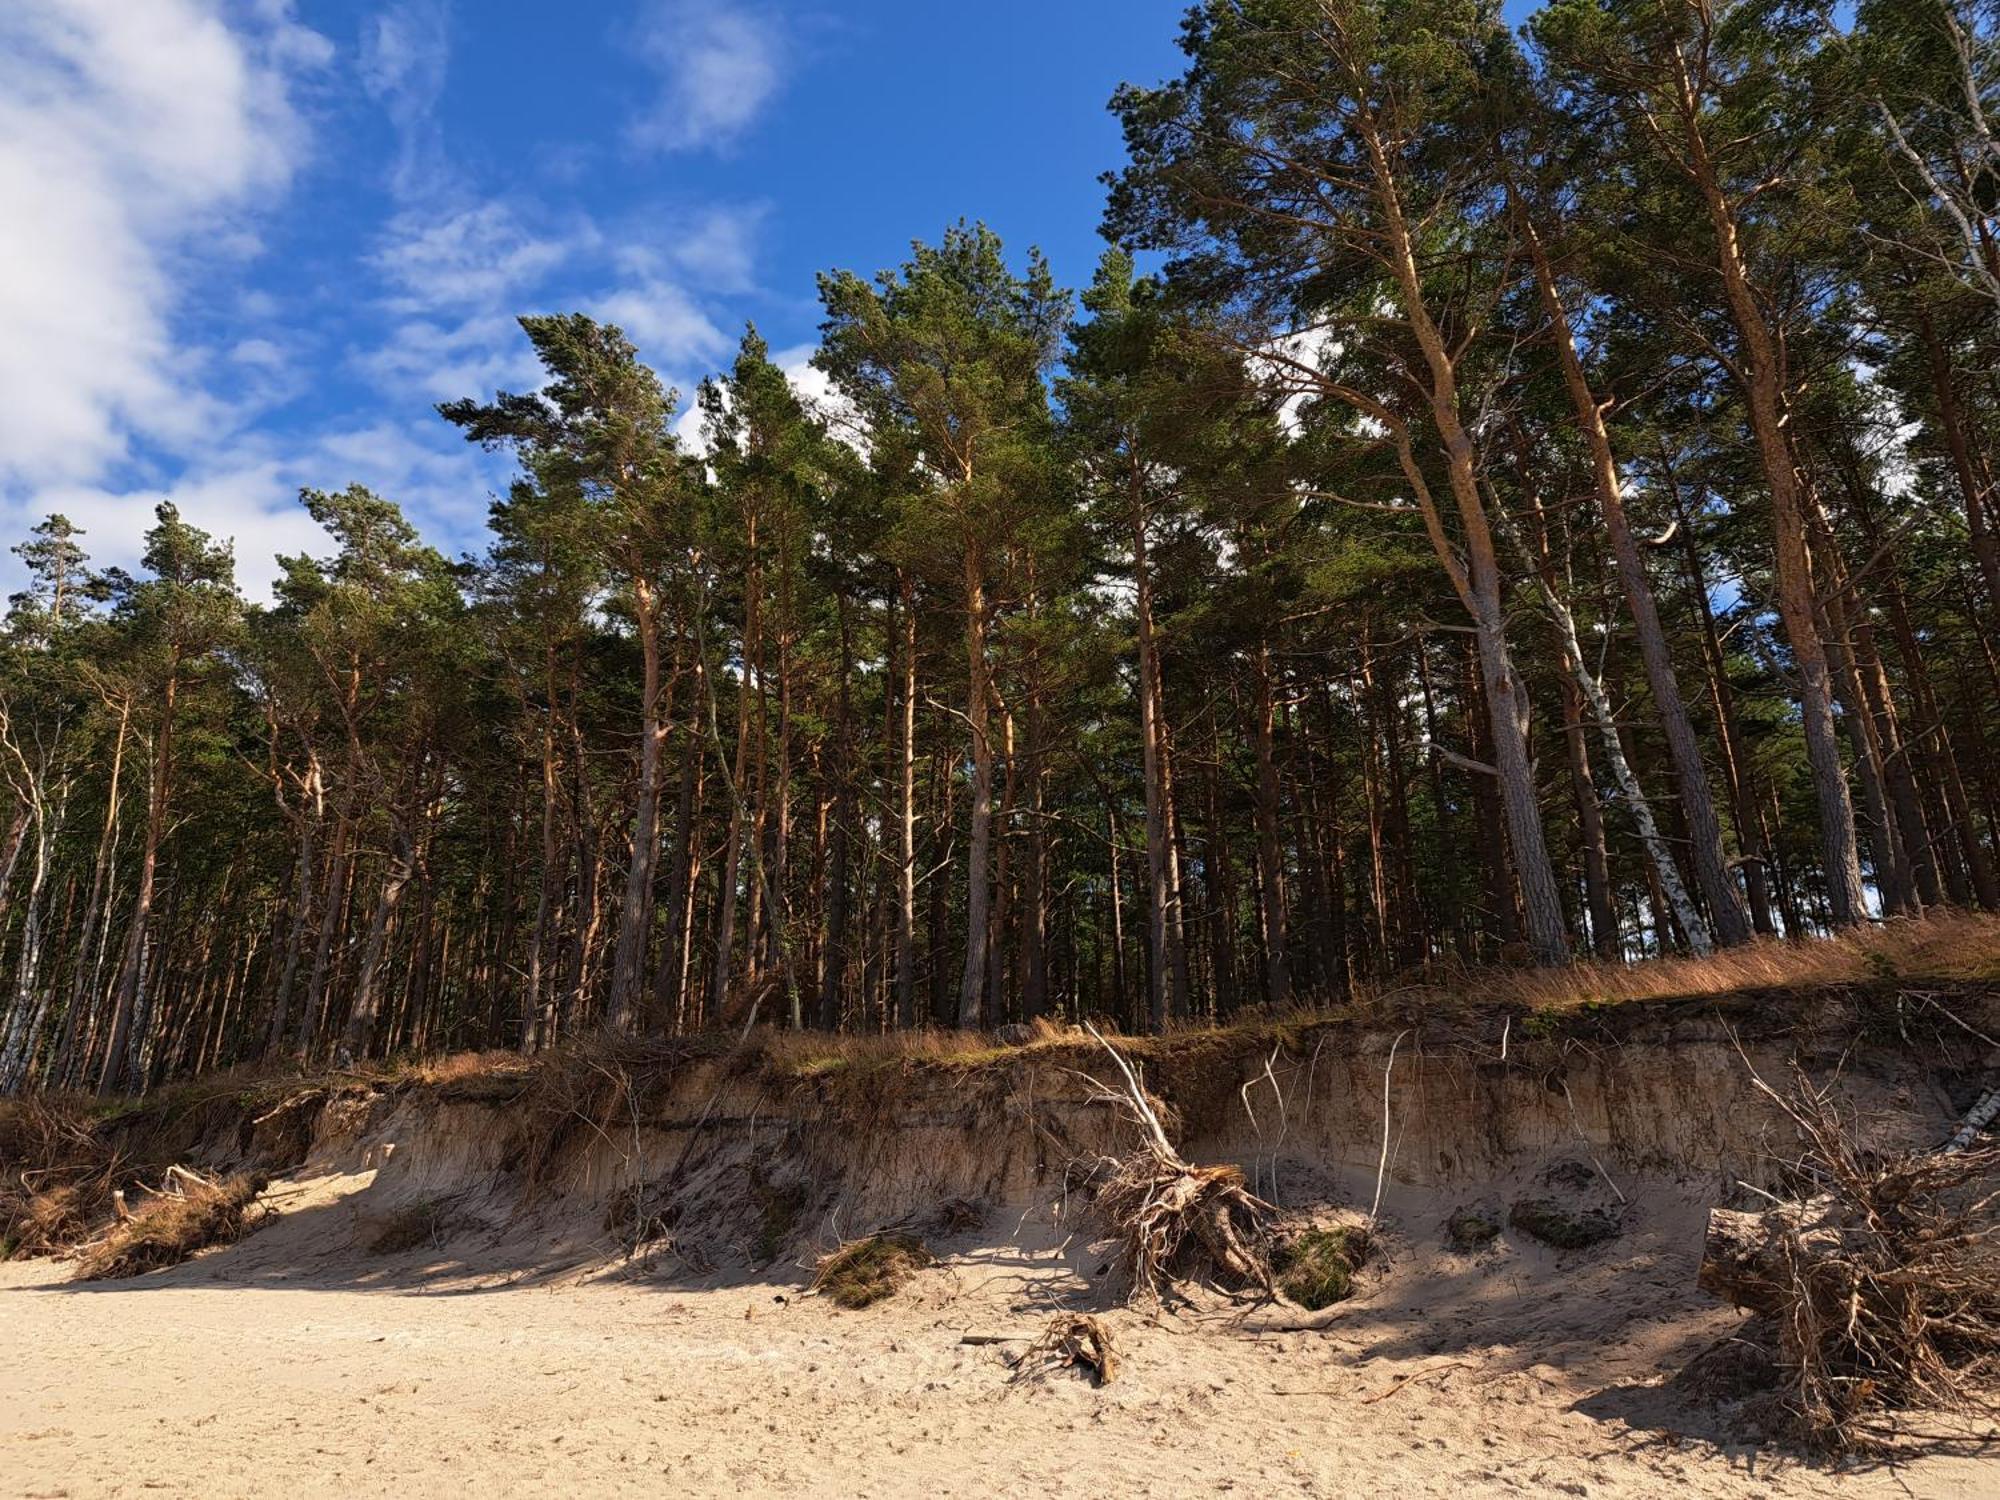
1316	1268
1564	1227
1472	1229
867	1270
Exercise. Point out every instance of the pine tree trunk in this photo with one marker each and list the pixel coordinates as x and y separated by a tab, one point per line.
635	912
1763	382
906	819
132	965
978	871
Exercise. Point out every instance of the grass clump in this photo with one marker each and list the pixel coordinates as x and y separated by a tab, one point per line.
173	1226
1316	1268
1563	1227
864	1271
41	1223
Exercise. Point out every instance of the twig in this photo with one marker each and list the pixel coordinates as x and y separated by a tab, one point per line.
1456	1364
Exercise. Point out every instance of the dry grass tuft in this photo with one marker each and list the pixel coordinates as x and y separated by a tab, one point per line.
1071	1341
57	1175
1173	1221
457	1067
42	1223
188	1215
958	1216
864	1271
1882	1284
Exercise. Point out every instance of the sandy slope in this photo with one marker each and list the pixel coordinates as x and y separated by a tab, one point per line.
297	1364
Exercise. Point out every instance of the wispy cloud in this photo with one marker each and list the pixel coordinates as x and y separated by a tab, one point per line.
405	59
718	64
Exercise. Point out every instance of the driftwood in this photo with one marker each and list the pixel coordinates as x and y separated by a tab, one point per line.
1747	1256
1072	1340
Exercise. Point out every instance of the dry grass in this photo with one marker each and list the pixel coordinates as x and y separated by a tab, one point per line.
819	1054
1945	948
864	1271
422	1223
456	1067
1882	1284
57	1175
189	1214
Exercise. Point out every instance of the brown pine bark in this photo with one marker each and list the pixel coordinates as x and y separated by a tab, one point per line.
1759	369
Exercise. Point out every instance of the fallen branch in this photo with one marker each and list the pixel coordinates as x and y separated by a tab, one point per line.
1071	1339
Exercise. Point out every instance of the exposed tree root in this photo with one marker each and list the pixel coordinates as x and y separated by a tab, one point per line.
1882	1284
188	1214
1173	1221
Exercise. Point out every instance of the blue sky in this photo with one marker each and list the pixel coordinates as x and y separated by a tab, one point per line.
250	243
253	241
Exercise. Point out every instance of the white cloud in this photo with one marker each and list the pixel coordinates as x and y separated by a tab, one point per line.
477	254
259	354
671	332
719	247
249	505
246	494
718	64
125	131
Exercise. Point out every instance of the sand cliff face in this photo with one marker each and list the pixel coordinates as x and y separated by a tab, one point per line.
744	1156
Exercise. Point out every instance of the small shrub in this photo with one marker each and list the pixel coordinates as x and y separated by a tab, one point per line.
1563	1227
1316	1268
171	1227
865	1271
